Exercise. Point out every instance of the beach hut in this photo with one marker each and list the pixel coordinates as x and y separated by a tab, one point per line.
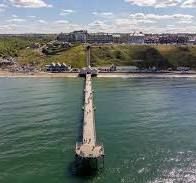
65	67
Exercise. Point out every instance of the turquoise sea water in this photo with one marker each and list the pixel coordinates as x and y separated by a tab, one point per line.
148	127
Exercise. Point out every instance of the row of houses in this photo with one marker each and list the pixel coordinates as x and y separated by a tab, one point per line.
57	67
83	36
119	69
101	38
170	39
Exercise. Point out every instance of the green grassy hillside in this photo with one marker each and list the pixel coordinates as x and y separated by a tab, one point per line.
20	48
161	56
11	46
74	56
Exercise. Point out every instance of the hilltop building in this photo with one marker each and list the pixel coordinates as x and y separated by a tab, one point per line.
124	38
167	38
80	36
65	37
99	38
83	36
192	40
136	38
76	36
116	38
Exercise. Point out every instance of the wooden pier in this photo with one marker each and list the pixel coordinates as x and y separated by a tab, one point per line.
88	148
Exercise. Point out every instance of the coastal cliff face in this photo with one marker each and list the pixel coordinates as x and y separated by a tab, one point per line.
28	51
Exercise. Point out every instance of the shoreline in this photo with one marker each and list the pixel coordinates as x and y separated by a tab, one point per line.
7	74
147	75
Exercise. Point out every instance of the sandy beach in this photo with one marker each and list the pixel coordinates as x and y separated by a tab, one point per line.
7	74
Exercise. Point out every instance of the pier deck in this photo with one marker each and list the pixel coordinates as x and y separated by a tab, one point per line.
88	148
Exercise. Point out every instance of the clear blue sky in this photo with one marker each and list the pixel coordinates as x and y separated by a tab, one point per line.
54	16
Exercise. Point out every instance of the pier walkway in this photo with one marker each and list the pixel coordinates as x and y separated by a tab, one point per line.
88	148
